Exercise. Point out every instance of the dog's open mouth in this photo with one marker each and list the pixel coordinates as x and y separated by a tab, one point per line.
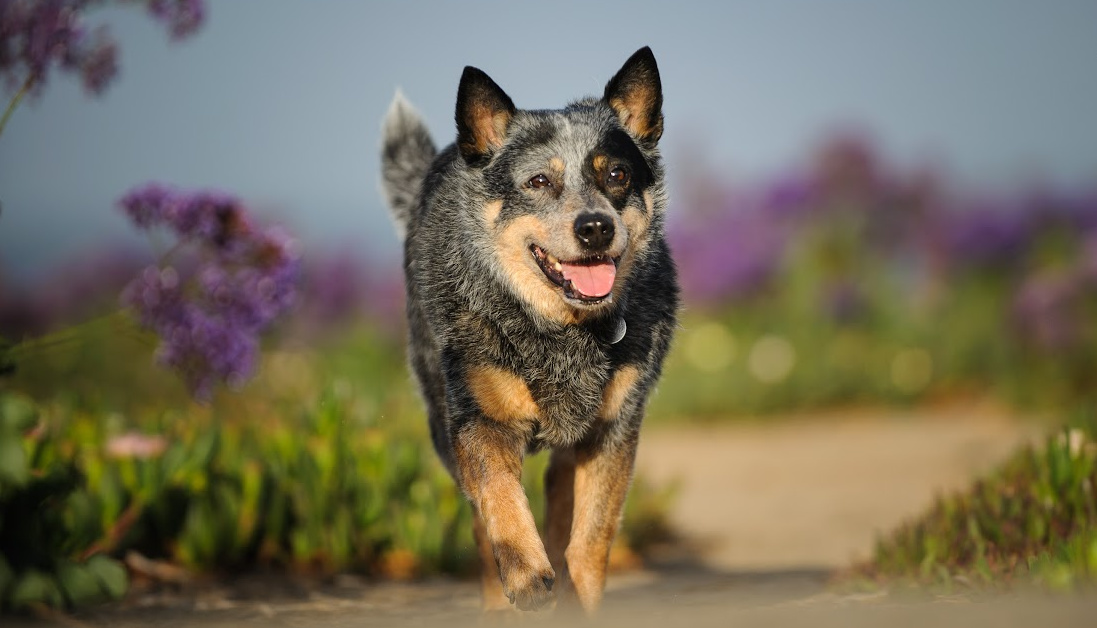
589	279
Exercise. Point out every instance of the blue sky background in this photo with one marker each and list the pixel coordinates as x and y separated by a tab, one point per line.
280	101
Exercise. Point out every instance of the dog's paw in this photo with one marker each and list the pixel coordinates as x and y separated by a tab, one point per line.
527	587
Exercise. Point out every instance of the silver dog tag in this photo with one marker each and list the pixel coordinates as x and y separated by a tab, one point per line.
619	333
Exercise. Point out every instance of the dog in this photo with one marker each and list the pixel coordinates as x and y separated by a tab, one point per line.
541	302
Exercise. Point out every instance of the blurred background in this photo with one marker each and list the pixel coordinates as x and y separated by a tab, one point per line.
872	205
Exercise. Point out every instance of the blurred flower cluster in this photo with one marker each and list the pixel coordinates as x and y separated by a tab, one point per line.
224	283
879	272
36	35
860	224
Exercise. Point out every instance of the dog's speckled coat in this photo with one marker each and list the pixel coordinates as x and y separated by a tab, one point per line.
509	360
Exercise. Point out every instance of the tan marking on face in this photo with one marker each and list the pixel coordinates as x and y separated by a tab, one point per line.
525	278
557	165
599	163
637	224
616	392
492	209
501	395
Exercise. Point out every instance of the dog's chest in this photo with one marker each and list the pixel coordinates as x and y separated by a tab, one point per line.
568	391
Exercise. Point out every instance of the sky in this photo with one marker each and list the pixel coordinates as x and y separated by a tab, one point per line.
280	102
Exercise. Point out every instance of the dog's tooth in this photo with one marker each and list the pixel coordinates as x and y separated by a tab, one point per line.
559	267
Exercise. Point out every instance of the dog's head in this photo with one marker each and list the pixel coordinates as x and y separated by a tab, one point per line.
576	195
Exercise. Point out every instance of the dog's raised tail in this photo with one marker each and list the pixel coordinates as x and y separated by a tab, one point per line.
406	154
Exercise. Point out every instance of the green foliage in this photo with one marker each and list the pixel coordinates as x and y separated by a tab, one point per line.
1034	519
908	338
44	531
321	465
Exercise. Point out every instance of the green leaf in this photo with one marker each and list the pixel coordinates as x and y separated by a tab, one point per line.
79	584
35	587
17	414
13	461
111	575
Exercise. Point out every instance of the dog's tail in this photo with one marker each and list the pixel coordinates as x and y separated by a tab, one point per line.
406	154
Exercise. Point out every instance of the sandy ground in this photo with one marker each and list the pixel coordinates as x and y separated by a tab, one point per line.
814	492
770	510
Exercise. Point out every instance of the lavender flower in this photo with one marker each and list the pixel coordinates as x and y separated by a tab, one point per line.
34	36
37	35
984	237
342	287
731	256
1047	310
183	17
209	315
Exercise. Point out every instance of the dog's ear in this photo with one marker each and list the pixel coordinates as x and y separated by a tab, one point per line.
636	94
483	113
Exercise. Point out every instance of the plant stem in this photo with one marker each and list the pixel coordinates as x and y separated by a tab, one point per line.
27	84
66	336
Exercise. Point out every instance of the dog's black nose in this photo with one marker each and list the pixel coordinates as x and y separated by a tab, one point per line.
595	231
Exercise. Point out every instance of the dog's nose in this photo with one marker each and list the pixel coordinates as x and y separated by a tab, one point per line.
595	231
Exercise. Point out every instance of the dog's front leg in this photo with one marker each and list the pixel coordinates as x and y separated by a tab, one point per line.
489	460
602	476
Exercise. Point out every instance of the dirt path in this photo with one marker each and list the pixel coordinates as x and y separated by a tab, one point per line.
773	509
814	493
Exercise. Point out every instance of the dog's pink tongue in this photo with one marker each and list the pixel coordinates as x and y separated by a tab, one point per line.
591	280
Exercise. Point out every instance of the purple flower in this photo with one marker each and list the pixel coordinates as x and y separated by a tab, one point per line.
1047	310
98	65
209	315
149	206
727	256
183	17
36	35
211	217
791	196
984	237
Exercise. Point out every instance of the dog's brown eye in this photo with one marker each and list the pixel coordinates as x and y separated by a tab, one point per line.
540	181
618	176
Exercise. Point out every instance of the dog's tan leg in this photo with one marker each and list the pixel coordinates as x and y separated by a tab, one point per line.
602	477
492	598
490	465
559	505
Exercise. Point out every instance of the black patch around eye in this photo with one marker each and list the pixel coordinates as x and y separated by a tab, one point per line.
619	151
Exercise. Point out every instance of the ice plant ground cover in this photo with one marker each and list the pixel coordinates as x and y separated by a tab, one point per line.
1031	521
321	465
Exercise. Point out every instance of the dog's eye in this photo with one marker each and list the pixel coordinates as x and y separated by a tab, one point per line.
540	181
618	176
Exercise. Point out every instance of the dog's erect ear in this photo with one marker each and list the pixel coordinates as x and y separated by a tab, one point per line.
636	94
483	113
